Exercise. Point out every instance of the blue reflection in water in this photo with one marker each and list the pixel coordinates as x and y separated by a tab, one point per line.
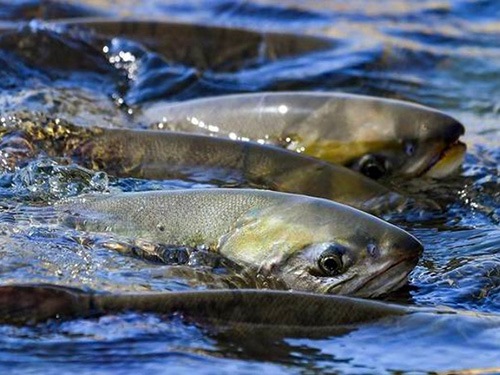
439	54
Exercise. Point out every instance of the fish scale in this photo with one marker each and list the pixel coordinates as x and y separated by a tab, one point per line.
279	234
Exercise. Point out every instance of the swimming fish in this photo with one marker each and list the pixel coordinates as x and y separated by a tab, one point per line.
377	137
310	244
206	47
163	155
33	303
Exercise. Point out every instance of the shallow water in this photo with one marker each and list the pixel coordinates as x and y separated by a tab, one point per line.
444	54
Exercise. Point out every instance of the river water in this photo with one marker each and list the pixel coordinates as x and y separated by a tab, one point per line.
444	54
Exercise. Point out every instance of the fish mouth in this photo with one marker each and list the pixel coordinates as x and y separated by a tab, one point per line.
447	161
390	278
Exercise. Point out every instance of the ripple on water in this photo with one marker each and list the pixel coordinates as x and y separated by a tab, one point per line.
443	54
466	276
46	180
444	341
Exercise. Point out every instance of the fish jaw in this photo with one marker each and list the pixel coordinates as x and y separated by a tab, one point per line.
448	162
391	278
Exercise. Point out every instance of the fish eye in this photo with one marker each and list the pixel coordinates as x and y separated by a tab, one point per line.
409	148
373	166
330	261
373	250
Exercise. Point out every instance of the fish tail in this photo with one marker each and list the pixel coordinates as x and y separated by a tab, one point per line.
34	303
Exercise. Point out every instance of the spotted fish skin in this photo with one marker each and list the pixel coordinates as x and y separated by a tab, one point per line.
277	234
403	138
165	155
23	304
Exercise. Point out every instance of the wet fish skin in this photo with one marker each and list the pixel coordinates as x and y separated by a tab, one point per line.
22	304
163	155
216	48
277	234
30	304
401	138
160	155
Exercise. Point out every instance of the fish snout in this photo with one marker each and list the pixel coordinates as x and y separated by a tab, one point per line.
455	130
407	249
390	268
448	131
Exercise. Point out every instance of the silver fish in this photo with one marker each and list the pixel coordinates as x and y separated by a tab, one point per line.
33	303
163	155
311	244
378	137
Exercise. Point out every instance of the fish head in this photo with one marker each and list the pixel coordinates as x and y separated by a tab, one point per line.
321	246
409	140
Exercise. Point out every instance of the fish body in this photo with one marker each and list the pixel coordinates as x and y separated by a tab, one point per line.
25	304
206	47
310	244
165	155
378	137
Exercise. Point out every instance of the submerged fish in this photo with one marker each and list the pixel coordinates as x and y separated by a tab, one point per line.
310	244
378	137
32	303
163	155
207	47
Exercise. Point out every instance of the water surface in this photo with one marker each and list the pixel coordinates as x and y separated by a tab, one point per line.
444	54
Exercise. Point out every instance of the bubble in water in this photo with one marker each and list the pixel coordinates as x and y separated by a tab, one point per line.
45	179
